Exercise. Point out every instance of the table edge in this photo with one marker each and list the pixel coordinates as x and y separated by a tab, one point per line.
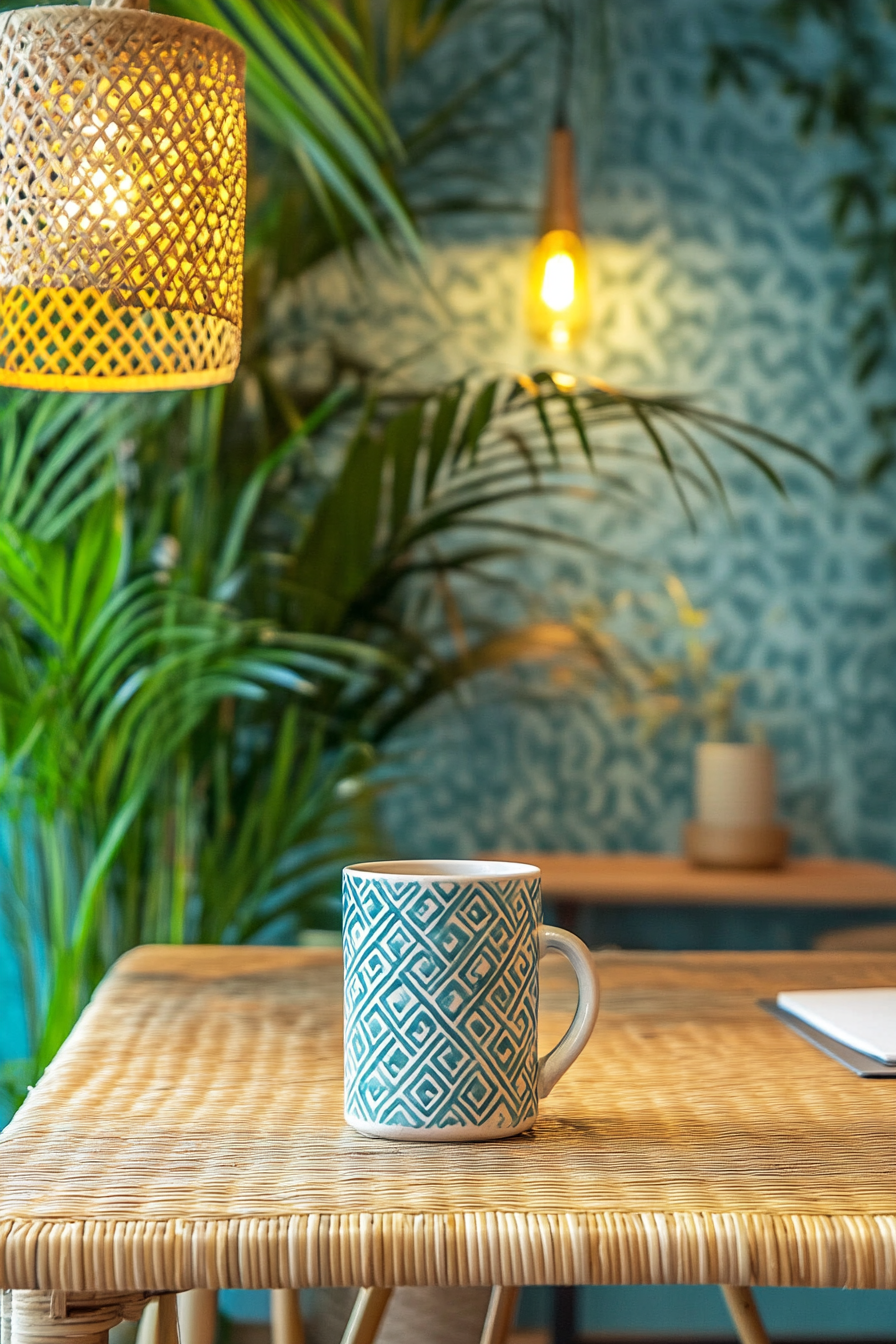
460	1249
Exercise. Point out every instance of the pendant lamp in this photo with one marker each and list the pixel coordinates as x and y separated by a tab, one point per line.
122	199
557	306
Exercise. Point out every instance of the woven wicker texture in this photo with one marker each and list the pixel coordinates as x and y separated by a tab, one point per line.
122	200
190	1134
29	1318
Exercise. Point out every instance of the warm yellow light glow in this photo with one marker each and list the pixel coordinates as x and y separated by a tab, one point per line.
122	203
557	301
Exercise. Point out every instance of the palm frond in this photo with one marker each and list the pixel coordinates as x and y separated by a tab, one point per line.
60	451
422	478
305	91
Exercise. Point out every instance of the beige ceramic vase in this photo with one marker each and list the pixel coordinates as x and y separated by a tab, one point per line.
735	825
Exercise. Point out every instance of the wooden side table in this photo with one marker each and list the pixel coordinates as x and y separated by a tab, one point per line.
190	1135
574	880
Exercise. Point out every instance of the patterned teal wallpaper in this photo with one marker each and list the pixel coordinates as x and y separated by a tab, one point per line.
713	272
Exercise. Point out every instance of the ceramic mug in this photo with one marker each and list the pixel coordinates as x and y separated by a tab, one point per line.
441	999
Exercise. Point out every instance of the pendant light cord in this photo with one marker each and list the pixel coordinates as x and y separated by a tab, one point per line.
560	17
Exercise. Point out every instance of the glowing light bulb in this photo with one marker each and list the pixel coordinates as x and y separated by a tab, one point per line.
557	301
558	288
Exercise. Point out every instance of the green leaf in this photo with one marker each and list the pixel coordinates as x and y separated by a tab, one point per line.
402	443
94	569
335	557
440	435
478	418
34	575
252	490
308	98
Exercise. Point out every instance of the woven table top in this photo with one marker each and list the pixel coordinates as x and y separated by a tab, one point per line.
190	1134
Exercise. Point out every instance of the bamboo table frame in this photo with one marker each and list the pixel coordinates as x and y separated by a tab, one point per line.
190	1135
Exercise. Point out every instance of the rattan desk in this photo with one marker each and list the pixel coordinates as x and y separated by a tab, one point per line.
190	1134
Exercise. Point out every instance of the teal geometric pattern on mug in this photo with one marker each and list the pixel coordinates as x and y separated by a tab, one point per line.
441	1001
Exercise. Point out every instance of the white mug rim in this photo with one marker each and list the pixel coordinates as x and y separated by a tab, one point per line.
428	870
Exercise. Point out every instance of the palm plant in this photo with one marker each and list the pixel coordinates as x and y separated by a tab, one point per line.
181	733
118	692
310	95
424	512
225	791
204	638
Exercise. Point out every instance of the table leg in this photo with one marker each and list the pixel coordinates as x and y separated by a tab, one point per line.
286	1317
499	1317
564	1314
167	1328
197	1316
58	1317
369	1309
745	1314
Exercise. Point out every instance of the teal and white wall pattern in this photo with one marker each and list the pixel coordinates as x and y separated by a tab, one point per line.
713	272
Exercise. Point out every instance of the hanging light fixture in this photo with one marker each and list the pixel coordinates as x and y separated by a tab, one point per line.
557	304
122	199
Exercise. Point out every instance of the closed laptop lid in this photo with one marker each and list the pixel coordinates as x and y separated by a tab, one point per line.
862	1018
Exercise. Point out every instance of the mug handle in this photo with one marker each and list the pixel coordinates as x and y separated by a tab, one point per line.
555	1064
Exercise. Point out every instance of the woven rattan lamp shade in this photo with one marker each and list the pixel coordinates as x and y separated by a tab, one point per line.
122	200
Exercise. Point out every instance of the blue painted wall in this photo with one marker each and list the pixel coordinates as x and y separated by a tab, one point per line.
12	1023
713	272
683	1313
